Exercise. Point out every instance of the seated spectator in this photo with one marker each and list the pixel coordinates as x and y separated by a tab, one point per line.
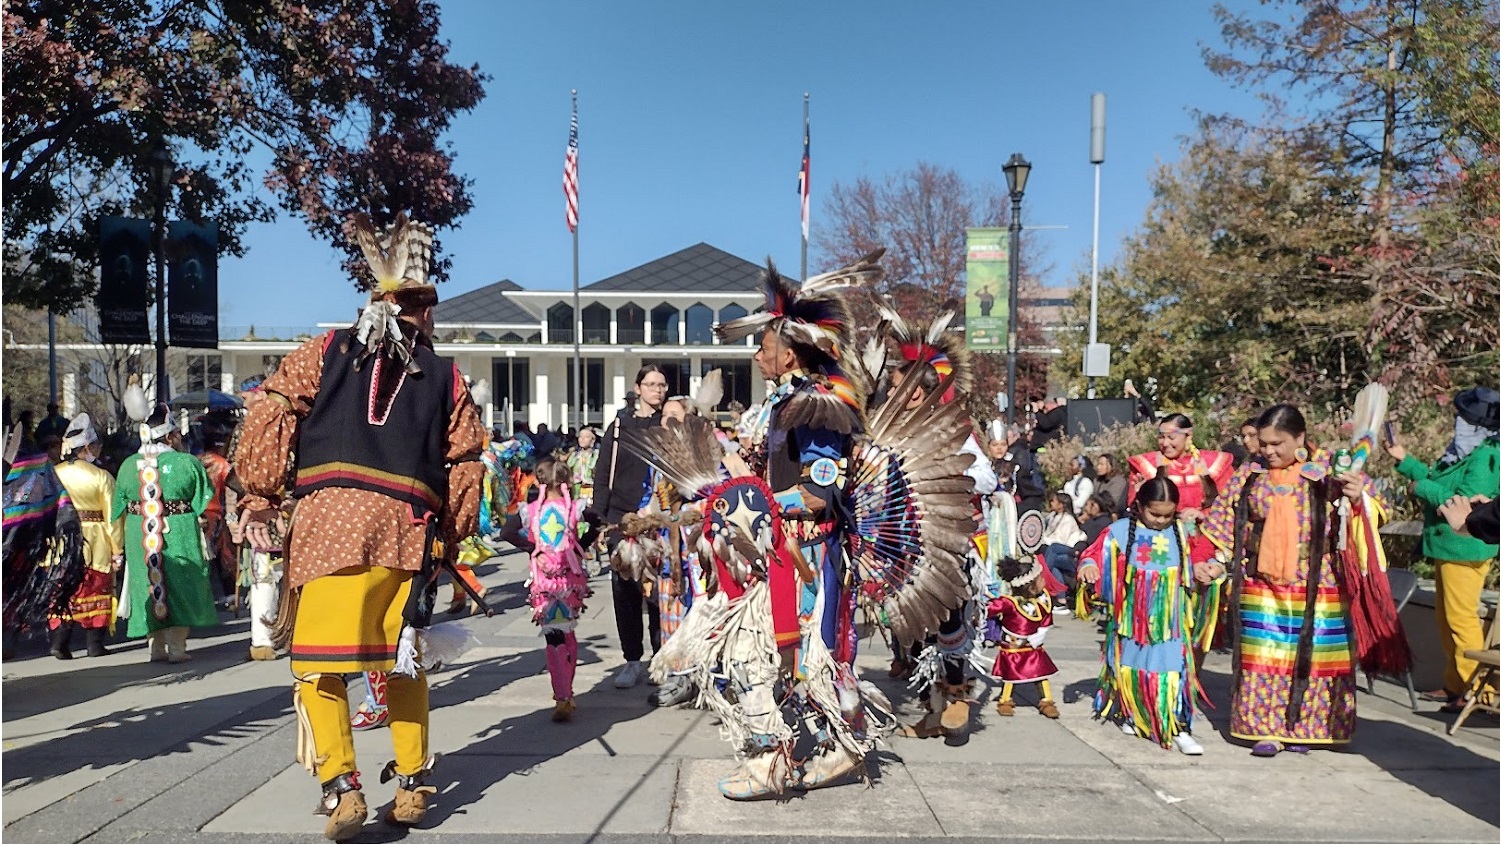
1079	486
1061	536
1098	516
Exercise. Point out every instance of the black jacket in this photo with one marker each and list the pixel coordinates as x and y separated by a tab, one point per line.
620	478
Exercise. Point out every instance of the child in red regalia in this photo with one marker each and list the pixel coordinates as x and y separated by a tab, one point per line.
1024	617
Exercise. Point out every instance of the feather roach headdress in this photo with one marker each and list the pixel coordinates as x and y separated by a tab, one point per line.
398	259
813	317
935	345
814	320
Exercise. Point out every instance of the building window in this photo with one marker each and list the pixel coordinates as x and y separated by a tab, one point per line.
596	323
676	370
594	390
730	312
512	378
630	323
561	323
204	372
665	325
699	324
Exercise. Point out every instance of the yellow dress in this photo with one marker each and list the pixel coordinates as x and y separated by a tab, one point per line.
91	490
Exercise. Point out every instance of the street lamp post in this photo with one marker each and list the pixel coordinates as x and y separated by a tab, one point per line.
1017	169
161	182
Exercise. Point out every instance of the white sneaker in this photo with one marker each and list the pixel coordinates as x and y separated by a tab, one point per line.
1128	729
629	675
1187	745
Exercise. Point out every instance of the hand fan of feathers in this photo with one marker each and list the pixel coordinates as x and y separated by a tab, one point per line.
912	513
1366	420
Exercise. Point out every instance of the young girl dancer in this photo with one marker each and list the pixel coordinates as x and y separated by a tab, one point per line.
548	528
1024	617
1144	570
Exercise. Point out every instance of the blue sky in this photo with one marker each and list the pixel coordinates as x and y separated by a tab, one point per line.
691	129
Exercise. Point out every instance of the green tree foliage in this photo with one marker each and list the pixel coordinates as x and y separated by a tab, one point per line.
1348	236
349	98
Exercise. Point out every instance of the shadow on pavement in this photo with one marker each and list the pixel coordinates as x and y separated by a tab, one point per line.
84	679
130	735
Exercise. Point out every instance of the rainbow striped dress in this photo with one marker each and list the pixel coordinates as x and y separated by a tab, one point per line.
1270	698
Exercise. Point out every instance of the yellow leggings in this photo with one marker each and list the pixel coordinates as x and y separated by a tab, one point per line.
324	698
1457	587
1043	691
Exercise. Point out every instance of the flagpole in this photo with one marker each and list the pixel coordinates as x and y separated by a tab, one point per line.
803	200
578	319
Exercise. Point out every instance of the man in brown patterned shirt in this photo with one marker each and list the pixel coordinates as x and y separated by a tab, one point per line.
378	440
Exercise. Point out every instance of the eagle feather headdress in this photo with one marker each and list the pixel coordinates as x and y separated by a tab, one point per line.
814	319
398	259
935	345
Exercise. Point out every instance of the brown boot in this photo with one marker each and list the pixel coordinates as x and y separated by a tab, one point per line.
345	805
411	806
928	727
956	715
1048	708
1006	707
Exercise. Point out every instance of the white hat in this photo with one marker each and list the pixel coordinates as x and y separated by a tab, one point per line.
80	433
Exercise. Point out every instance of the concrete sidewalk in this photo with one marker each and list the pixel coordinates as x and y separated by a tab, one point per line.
116	749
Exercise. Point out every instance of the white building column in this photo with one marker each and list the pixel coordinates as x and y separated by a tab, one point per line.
613	333
539	410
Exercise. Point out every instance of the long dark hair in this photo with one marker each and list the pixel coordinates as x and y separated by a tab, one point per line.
648	369
1282	417
1157	488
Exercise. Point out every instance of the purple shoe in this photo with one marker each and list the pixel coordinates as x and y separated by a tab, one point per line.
1297	748
1266	749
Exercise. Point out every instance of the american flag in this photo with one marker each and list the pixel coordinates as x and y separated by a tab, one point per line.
803	179
571	171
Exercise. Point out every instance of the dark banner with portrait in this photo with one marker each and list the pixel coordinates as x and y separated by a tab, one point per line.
193	285
124	280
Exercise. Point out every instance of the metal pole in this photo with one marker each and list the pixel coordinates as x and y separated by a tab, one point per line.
1094	273
51	355
1097	155
160	222
1013	275
578	317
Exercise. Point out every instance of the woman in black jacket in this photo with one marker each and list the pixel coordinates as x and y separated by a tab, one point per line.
621	488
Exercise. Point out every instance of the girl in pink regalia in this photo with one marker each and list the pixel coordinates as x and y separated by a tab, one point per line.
548	528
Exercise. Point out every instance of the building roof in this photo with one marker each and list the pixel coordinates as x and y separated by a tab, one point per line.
487	305
700	268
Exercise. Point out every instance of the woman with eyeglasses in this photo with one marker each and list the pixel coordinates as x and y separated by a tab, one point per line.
620	488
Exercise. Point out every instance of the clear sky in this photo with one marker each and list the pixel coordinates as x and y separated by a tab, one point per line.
691	129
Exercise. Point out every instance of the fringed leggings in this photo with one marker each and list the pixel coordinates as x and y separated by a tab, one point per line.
324	699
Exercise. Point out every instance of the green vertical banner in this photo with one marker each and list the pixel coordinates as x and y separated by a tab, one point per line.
986	285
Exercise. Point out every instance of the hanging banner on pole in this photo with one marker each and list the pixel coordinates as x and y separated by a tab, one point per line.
193	285
124	280
986	289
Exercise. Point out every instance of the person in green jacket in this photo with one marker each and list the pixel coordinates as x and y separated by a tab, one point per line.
1468	467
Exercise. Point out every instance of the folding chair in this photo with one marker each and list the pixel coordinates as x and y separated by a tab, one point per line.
1403	584
1476	695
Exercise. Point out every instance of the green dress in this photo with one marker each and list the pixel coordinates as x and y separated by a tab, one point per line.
185	574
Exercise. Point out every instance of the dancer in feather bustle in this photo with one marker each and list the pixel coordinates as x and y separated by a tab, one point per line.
387	444
837	504
933	356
